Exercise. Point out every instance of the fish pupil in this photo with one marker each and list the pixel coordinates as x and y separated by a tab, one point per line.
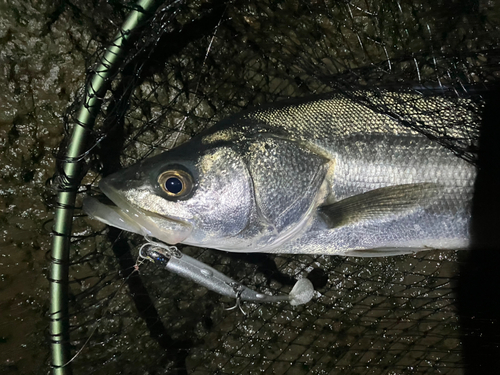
173	185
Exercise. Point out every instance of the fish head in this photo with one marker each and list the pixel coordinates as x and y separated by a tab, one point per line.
192	194
249	195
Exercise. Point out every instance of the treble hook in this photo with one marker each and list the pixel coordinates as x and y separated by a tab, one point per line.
237	304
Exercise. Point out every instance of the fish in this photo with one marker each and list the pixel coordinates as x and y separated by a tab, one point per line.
326	175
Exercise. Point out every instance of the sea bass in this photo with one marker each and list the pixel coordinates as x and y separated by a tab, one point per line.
328	175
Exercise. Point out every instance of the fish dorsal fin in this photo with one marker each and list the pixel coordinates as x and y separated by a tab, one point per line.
287	179
387	203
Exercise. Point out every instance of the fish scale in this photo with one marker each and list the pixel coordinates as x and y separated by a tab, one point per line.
328	175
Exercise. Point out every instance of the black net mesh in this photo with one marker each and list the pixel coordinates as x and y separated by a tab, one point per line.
197	62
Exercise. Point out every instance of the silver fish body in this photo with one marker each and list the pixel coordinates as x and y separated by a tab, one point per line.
323	176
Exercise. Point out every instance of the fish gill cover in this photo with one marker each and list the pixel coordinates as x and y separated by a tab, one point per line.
197	62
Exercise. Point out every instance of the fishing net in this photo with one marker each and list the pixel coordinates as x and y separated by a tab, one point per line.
194	63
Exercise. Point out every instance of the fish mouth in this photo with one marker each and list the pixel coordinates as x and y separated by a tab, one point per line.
131	218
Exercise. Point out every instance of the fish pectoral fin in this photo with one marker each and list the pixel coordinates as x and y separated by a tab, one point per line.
384	204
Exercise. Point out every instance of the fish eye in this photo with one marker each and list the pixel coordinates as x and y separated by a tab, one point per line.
176	183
